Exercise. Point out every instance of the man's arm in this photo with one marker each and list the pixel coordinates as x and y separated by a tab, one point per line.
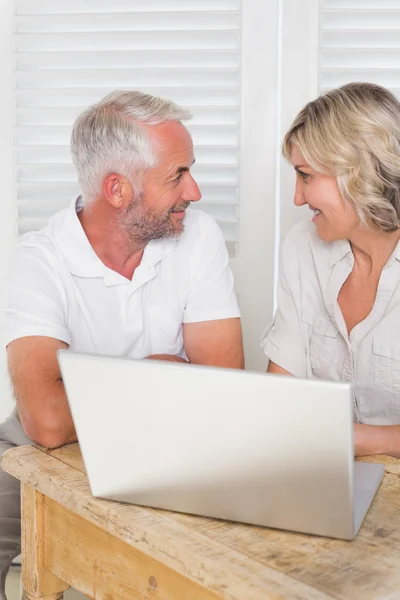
215	343
376	439
166	357
39	391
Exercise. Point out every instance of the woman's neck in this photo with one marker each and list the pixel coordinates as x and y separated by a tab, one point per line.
372	249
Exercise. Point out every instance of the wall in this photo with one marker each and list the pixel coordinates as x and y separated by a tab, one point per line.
7	204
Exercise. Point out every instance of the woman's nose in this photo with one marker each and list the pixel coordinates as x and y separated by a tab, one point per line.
299	199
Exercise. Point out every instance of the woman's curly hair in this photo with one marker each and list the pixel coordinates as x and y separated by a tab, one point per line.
353	132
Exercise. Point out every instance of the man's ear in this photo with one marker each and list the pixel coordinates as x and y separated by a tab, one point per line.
117	190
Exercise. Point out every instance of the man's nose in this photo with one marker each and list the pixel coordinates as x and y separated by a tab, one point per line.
192	191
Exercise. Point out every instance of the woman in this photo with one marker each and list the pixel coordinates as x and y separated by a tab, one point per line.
338	314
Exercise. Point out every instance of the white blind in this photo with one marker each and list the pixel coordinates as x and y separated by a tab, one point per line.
70	53
360	41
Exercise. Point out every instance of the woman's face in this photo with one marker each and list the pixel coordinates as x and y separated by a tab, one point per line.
333	218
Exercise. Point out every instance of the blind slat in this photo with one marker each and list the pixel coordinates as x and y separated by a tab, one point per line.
223	59
340	76
69	97
361	4
122	78
142	40
361	19
343	58
56	117
116	22
361	39
60	7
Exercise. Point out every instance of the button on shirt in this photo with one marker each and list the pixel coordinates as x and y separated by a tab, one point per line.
309	336
58	287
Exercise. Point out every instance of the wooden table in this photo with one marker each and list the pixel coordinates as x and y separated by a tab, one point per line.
110	550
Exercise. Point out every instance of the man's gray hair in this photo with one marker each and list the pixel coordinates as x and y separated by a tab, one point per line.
109	137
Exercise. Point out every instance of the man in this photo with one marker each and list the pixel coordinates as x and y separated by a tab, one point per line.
122	271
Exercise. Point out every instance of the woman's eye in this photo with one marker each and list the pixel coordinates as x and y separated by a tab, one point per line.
303	175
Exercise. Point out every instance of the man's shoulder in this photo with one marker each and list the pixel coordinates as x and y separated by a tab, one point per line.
201	239
199	224
41	245
199	218
36	243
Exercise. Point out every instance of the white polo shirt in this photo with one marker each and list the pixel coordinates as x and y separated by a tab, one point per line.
309	336
58	287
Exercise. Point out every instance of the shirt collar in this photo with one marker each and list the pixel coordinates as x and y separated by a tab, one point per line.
340	249
394	256
78	254
396	252
81	259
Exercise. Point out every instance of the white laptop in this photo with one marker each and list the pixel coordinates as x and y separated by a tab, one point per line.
262	449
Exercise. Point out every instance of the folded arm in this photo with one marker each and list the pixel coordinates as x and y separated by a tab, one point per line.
39	390
368	439
214	343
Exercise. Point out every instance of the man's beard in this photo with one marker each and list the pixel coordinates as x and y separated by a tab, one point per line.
143	225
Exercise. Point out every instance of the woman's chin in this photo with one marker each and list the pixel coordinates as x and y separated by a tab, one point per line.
328	234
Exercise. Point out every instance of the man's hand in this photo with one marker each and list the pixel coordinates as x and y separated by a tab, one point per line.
167	357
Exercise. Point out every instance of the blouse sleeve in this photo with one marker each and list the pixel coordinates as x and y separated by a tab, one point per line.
283	341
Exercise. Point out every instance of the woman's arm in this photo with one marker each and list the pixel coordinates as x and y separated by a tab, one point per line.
376	439
368	439
274	368
283	342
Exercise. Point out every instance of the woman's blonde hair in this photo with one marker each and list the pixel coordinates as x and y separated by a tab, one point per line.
353	132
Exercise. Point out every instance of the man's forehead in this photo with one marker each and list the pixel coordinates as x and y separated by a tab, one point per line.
171	133
173	148
179	166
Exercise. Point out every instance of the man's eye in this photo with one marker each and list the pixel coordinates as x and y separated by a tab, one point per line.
178	178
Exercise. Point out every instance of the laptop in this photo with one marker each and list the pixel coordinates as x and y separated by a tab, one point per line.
242	446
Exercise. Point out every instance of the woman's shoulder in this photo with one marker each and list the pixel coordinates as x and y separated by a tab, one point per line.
303	232
305	252
304	238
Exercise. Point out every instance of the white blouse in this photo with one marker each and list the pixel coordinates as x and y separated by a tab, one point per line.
309	336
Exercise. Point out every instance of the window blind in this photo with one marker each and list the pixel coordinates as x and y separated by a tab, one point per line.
70	54
360	41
